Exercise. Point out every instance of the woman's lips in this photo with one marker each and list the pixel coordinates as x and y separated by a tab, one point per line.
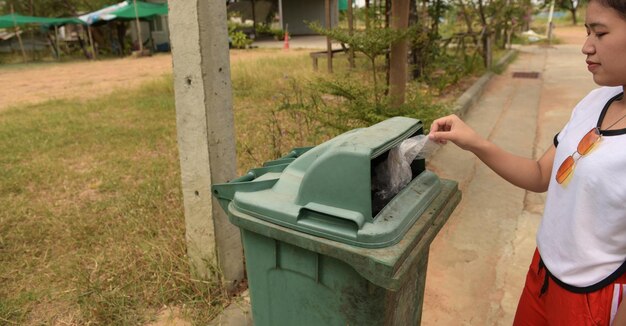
592	66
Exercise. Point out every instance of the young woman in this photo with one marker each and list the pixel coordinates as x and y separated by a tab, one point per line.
578	273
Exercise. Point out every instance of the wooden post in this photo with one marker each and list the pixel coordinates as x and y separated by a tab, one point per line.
53	45
398	53
17	33
252	3
206	137
32	33
139	38
329	47
56	41
351	31
93	46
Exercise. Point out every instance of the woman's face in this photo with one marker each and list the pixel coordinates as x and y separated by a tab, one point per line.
605	46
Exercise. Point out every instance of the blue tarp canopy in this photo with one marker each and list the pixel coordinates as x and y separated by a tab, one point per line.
125	10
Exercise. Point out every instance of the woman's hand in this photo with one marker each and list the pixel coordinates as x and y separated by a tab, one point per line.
452	128
522	172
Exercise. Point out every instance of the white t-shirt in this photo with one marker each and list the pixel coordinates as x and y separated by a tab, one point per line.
582	236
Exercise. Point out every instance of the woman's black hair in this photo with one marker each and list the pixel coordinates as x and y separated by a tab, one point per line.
617	5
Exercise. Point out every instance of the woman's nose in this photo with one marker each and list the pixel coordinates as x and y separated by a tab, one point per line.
588	47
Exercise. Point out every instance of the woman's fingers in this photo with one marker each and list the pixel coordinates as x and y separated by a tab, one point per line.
452	128
443	124
443	129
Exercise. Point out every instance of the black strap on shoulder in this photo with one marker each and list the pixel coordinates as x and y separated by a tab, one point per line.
556	140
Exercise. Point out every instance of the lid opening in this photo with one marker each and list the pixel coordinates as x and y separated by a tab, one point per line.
378	201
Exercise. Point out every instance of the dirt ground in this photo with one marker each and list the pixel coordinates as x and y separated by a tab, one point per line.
90	79
571	34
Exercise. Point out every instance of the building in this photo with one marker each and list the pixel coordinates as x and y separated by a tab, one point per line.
290	15
155	32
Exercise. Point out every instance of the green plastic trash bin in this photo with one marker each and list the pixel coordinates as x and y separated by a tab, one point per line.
321	249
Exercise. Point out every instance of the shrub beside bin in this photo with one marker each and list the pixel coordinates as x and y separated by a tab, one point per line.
321	249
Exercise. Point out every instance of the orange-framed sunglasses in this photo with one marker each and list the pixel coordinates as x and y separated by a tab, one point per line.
584	146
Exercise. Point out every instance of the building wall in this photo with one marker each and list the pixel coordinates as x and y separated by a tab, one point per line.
12	45
297	12
158	29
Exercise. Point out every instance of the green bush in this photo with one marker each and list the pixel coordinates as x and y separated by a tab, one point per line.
330	106
279	34
240	40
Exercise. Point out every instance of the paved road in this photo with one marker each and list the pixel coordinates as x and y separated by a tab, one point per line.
479	260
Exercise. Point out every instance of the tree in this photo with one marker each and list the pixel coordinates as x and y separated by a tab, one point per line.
569	5
572	7
424	18
398	52
372	42
495	18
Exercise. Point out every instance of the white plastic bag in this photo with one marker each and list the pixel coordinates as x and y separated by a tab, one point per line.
394	174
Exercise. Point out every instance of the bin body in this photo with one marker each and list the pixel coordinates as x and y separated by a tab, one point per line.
290	285
319	251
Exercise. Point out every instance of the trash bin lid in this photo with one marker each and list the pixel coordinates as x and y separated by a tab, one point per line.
327	190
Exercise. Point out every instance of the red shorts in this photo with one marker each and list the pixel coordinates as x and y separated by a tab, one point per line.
558	306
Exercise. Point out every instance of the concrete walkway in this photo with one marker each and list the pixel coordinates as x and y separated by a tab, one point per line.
479	260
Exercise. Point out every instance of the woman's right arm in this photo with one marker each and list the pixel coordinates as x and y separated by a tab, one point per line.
523	172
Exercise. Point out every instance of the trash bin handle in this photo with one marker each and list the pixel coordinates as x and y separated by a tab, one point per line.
329	219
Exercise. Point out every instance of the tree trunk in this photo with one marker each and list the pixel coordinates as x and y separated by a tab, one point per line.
415	51
374	79
485	35
387	58
367	14
398	53
466	17
82	46
351	31
32	33
329	53
574	18
55	51
121	35
434	27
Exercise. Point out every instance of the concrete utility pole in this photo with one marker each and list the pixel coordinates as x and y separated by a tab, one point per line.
206	137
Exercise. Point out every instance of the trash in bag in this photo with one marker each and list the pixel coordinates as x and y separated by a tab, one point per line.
394	174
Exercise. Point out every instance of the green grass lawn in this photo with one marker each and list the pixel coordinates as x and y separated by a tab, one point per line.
91	225
91	221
